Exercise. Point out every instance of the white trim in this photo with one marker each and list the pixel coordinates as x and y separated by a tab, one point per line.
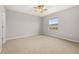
63	38
46	35
20	37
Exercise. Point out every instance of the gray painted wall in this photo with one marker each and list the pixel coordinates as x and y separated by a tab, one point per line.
21	25
68	24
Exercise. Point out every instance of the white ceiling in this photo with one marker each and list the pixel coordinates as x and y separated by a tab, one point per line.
30	10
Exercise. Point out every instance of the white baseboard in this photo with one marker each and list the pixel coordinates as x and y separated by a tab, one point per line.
20	37
63	38
43	34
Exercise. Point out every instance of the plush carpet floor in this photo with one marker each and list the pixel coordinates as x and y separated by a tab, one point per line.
40	45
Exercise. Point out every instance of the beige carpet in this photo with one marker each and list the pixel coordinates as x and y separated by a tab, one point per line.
40	44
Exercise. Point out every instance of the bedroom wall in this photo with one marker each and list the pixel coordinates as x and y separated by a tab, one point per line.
68	27
21	25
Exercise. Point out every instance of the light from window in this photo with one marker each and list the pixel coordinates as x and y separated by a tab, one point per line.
54	21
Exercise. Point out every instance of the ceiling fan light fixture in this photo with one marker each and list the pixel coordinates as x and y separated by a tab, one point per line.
40	8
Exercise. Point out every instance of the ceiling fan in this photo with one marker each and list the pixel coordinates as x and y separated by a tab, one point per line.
40	8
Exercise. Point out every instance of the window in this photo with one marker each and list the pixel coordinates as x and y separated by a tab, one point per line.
54	21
